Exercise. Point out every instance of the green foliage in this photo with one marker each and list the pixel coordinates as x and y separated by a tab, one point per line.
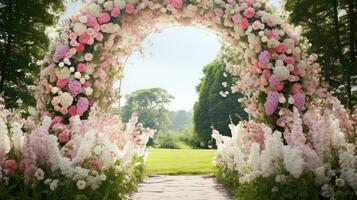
180	120
116	187
330	28
150	106
177	140
213	110
23	43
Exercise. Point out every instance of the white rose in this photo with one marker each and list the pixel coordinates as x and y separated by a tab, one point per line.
282	100
83	19
82	80
94	9
281	72
64	73
39	174
54	90
291	100
89	91
66	99
120	4
77	75
54	185
81	184
71	69
79	28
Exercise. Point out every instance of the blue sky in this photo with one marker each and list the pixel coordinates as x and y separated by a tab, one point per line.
172	59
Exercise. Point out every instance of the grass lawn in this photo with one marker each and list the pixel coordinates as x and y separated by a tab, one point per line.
180	162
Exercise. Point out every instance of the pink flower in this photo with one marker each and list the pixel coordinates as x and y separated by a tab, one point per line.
99	37
10	165
129	8
72	111
243	23
115	12
218	12
63	111
96	164
249	12
72	36
289	60
264	58
176	3
53	77
56	120
282	48
84	38
60	53
295	88
82	105
88	57
91	21
266	74
104	18
297	71
63	137
75	87
81	67
256	25
104	65
87	84
59	127
249	2
272	102
80	48
299	101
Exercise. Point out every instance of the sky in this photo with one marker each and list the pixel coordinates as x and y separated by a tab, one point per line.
172	59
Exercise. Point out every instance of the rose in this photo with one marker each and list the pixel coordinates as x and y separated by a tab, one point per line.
282	48
249	12
243	23
115	12
81	67
79	28
84	38
91	21
94	9
119	3
176	3
66	99
295	88
104	18
11	166
80	48
281	72
63	137
72	111
61	83
129	8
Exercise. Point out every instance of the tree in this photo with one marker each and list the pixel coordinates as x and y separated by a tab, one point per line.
329	25
212	109
180	120
23	43
150	106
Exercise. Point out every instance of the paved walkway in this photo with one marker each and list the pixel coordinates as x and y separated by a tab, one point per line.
180	188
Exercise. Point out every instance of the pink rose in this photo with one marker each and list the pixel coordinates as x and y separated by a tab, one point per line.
72	111
257	25
176	3
63	111
218	12
282	48
88	57
266	74
104	18
129	8
81	67
63	137
289	60
295	88
53	78
56	120
249	12
11	165
99	37
115	12
80	48
91	21
249	2
87	84
243	23
84	38
297	71
61	83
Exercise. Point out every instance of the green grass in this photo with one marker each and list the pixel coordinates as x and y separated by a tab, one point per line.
180	162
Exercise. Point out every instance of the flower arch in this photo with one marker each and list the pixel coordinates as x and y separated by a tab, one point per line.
85	61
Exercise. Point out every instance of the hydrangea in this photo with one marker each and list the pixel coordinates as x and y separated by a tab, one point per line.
264	58
82	105
75	87
272	102
60	53
299	101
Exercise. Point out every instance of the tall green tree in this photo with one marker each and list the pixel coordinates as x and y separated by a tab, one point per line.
180	120
212	109
23	42
150	105
330	26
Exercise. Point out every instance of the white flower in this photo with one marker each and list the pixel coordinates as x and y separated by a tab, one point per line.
17	136
81	184
291	100
54	90
47	181
340	182
39	174
66	99
281	178
4	140
97	150
281	72
61	64
293	161
46	122
63	73
79	28
282	100
83	19
54	185
82	80
77	75
88	91
120	3
103	177
71	69
94	9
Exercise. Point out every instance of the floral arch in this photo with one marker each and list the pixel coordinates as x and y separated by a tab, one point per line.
295	122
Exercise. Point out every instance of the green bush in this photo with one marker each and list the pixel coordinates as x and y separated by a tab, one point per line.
185	139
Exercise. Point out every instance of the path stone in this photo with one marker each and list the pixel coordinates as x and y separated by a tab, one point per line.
180	188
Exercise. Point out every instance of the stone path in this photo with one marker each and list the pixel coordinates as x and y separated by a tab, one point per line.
180	188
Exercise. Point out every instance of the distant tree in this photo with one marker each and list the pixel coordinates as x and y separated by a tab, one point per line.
23	42
212	109
180	120
150	106
330	26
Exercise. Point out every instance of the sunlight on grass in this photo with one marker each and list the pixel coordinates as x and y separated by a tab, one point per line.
180	162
